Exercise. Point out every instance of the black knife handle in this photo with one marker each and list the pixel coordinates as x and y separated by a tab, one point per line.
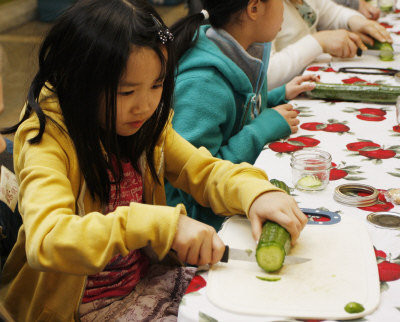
225	257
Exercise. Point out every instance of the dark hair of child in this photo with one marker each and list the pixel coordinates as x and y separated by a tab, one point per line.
83	58
220	13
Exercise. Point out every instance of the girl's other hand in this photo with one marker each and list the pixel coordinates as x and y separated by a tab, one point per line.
368	10
370	29
297	86
290	115
339	43
197	243
278	207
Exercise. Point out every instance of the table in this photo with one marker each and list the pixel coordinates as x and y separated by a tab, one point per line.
364	141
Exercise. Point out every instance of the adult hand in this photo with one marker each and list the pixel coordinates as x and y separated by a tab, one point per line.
369	28
287	112
339	43
197	243
368	10
297	86
278	207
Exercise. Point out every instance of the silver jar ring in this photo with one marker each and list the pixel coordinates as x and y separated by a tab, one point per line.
348	194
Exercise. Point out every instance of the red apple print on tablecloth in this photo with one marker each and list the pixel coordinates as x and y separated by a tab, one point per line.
284	147
336	127
368	114
396	130
386	25
306	140
358	81
389	270
379	254
293	144
196	284
312	126
355	146
373	151
378	154
344	171
381	205
332	126
353	80
321	68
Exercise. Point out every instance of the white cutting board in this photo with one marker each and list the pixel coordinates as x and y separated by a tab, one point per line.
342	269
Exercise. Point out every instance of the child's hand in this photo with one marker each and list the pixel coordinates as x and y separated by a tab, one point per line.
286	110
296	85
197	243
278	207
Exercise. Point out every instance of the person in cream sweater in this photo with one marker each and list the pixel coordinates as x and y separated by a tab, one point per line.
313	27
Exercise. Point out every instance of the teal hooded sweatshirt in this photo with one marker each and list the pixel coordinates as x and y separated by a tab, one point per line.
224	107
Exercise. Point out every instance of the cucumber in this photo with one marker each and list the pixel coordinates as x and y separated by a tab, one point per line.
380	46
354	92
385	48
273	246
309	182
354	307
280	185
269	278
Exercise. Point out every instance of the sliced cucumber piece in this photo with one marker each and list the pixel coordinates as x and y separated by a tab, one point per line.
386	55
309	182
269	278
353	307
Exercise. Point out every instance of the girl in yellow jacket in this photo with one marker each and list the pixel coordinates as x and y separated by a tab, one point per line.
91	151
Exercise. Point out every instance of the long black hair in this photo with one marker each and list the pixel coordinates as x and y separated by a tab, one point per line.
83	58
220	12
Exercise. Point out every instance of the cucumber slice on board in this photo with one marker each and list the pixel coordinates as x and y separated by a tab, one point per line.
269	278
353	307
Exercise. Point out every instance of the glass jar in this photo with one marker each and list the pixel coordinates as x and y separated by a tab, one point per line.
310	169
386	6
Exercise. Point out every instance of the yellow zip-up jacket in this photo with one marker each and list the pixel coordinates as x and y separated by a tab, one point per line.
64	237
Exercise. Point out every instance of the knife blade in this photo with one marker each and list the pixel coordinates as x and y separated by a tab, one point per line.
249	256
376	52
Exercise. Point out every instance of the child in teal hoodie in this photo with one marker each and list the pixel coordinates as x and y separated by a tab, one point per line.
221	99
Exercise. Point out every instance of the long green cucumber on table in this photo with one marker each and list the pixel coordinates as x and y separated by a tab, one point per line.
356	92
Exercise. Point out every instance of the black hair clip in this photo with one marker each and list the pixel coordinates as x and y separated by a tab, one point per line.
163	32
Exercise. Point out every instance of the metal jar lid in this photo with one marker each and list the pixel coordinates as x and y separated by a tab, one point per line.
384	219
348	194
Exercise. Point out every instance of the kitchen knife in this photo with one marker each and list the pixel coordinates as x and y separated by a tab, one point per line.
382	54
249	256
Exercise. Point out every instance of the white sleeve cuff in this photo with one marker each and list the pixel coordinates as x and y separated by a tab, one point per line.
290	62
